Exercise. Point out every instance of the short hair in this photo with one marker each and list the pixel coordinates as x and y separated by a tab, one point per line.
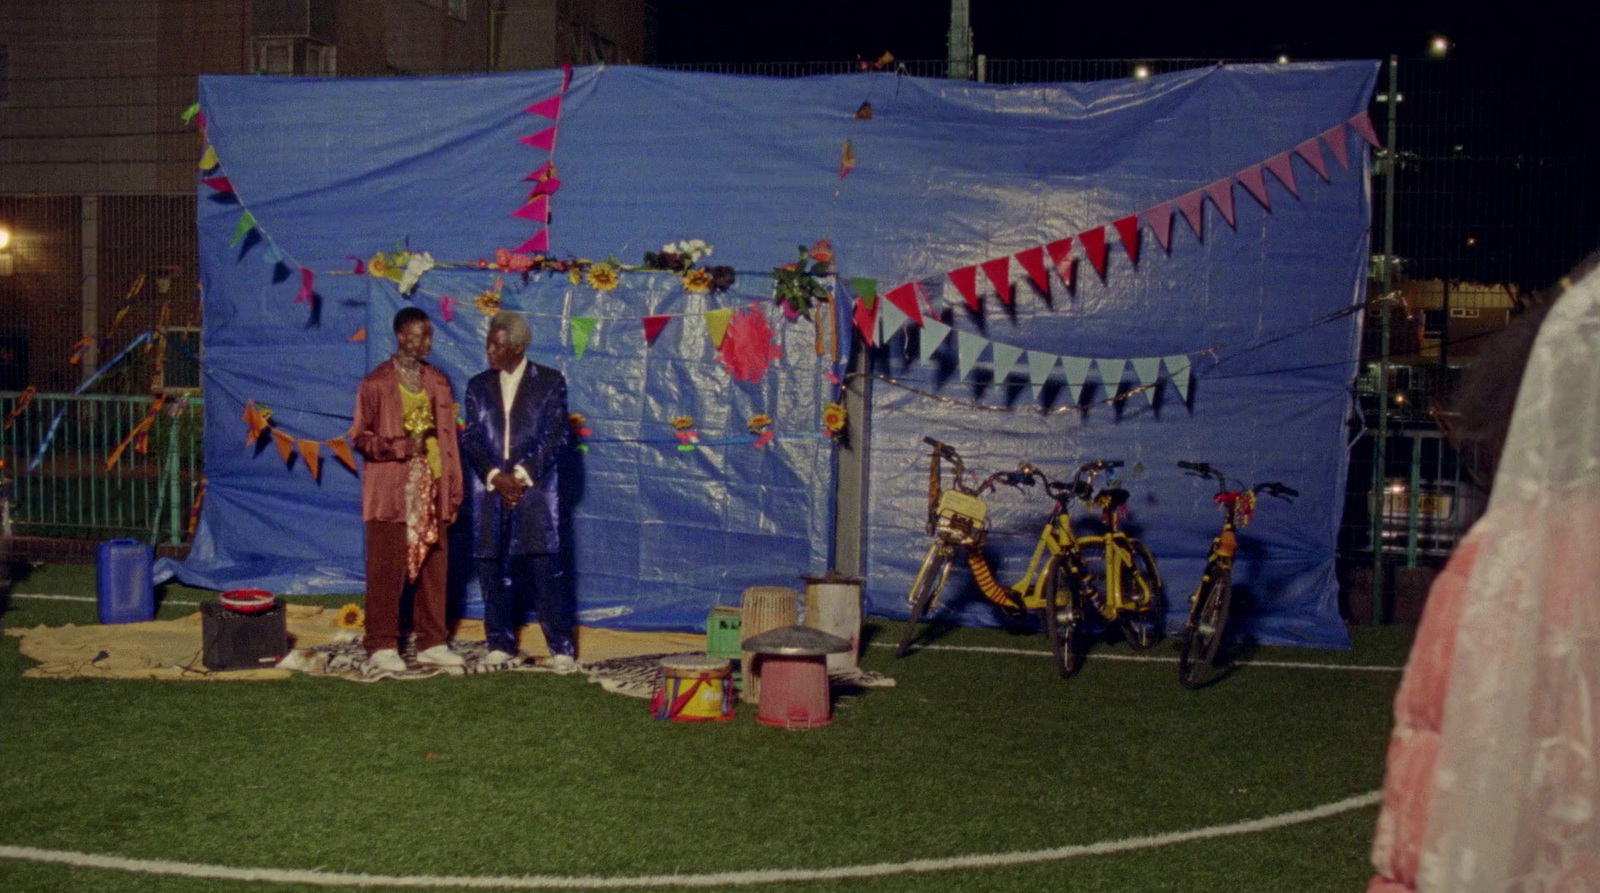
407	316
518	335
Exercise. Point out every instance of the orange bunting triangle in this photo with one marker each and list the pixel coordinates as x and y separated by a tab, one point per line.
361	335
847	159
309	453
252	420
341	450
285	444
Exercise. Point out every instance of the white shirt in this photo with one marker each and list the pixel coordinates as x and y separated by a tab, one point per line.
508	395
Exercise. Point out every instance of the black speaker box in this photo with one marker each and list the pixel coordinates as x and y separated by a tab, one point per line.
234	641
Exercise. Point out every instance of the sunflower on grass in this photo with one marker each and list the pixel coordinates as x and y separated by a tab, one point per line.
351	617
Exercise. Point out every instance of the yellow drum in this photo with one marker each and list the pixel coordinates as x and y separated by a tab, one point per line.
691	688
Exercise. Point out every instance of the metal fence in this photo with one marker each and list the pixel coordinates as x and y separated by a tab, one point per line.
93	466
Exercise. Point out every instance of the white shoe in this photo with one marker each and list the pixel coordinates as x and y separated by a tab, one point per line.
388	660
563	664
440	656
497	657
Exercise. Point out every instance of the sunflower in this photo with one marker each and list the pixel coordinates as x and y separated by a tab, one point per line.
697	281
683	422
603	277
759	422
351	617
833	418
378	265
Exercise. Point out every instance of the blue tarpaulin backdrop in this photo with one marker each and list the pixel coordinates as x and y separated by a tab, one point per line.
947	174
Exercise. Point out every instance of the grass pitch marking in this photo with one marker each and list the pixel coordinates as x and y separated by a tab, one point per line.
1034	652
724	878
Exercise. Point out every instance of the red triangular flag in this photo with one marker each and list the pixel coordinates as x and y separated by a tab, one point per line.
966	282
653	326
220	184
1250	179
1094	248
544	139
1221	193
304	297
998	272
1362	124
1061	258
1335	139
549	108
545	187
544	172
1192	207
566	77
1283	170
904	297
1160	220
539	242
1032	260
1311	151
537	209
1128	232
864	318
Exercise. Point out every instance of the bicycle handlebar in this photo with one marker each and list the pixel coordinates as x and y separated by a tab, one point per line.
1278	489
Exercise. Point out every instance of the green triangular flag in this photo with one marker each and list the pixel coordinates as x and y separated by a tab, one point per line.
246	224
866	290
190	112
580	327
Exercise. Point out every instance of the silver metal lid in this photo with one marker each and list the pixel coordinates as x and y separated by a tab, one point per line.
795	641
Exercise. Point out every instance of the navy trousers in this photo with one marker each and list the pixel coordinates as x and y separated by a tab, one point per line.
508	582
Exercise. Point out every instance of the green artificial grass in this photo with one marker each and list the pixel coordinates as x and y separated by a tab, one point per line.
531	774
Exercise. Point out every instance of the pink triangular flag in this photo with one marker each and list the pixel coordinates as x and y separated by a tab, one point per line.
549	108
1192	207
219	184
1032	261
1250	179
966	282
1221	193
566	77
447	308
544	139
1362	123
544	172
537	209
1335	140
539	242
904	298
1282	169
1160	220
1128	232
1094	248
1311	151
998	272
653	326
304	297
545	187
1061	258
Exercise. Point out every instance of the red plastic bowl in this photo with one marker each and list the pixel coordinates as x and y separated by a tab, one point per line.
247	601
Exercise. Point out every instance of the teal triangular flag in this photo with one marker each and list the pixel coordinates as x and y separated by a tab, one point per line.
1178	371
1076	369
968	348
933	334
890	320
581	327
1005	359
1111	374
1149	371
1040	365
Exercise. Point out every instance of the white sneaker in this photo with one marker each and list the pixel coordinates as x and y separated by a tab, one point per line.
440	656
388	660
497	657
563	664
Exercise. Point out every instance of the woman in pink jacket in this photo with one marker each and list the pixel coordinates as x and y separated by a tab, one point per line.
1493	776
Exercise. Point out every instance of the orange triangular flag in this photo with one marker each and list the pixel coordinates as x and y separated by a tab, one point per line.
341	449
847	159
308	452
285	444
254	421
361	334
717	325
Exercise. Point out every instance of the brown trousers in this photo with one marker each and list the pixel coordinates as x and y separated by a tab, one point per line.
386	584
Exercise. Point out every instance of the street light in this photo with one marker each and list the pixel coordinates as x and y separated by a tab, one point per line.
1141	71
5	238
1438	46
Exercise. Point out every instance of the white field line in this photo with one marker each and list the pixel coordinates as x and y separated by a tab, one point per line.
724	878
46	596
1034	652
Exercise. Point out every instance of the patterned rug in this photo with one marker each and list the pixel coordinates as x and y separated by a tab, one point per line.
635	677
348	659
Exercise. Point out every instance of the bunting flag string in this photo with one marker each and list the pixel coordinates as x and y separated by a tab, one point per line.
1091	244
536	207
258	423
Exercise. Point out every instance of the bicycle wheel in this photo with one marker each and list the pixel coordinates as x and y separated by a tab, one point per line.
1208	620
930	579
1146	625
1063	615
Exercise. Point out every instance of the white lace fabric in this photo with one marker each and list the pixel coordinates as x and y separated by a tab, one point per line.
1516	803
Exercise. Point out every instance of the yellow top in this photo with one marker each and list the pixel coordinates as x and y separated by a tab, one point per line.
417	402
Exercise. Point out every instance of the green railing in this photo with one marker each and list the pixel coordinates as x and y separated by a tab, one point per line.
69	479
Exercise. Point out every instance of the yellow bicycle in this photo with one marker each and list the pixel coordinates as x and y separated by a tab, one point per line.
1067	575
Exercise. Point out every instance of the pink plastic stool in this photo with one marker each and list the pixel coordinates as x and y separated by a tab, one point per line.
794	691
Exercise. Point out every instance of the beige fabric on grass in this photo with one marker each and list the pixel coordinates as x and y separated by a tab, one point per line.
171	649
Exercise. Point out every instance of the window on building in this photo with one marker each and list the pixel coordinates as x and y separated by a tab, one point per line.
294	55
275	56
321	60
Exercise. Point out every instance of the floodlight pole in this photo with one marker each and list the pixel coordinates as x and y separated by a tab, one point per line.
1380	449
959	43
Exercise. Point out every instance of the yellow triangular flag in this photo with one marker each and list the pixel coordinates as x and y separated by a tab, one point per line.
341	449
209	159
308	453
285	444
717	325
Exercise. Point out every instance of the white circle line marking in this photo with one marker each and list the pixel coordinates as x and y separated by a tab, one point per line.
725	878
1031	652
